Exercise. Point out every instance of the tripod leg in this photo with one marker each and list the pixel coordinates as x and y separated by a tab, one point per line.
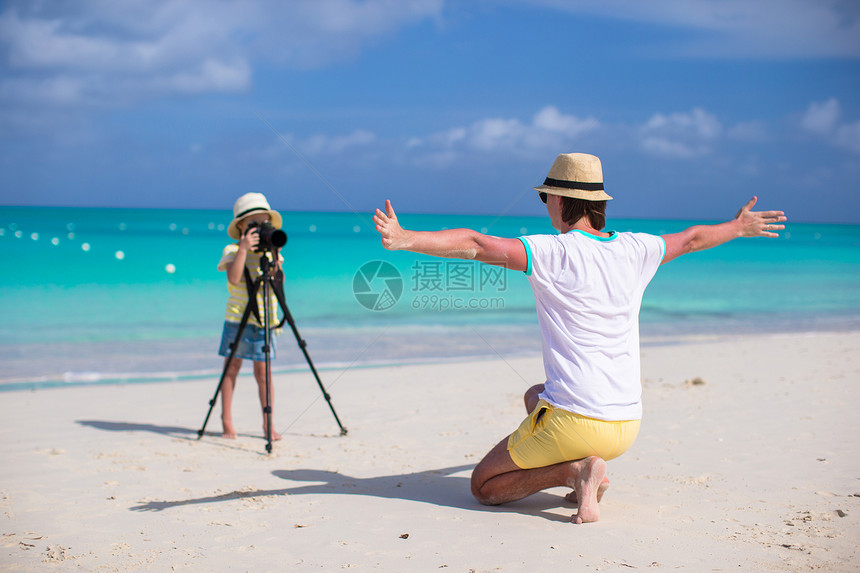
267	408
303	346
214	398
288	317
266	398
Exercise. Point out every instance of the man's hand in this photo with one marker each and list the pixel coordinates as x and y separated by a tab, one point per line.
394	237
450	243
759	223
745	224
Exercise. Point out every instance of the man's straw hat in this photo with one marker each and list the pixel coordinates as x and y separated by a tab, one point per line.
577	175
251	204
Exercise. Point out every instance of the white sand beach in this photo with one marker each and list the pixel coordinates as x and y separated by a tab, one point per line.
755	469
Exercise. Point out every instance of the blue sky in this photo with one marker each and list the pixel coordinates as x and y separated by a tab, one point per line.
442	106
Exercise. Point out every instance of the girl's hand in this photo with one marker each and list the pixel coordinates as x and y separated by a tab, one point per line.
250	239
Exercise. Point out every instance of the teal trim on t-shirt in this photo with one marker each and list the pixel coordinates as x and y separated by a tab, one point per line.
525	243
664	248
612	235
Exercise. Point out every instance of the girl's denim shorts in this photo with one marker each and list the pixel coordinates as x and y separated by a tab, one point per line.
250	345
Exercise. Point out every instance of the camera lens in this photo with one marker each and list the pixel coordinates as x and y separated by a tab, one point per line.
270	237
277	238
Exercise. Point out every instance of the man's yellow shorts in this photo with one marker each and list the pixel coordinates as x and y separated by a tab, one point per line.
551	435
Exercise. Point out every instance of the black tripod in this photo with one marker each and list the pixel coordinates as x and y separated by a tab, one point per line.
272	281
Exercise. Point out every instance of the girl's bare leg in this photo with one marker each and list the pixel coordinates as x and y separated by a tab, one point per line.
260	375
227	389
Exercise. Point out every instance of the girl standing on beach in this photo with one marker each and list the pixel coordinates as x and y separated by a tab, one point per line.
249	209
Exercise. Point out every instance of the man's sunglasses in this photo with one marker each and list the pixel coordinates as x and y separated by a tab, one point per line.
542	196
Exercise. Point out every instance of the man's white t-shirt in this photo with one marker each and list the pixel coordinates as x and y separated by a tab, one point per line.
588	291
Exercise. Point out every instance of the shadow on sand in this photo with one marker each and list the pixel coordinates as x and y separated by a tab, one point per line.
129	427
175	432
437	487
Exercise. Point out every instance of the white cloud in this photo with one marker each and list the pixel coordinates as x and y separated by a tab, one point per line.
550	119
211	76
102	51
824	119
120	52
698	123
667	148
676	136
41	44
491	134
322	144
549	130
681	135
848	136
752	131
741	28
358	138
116	41
56	90
449	137
313	33
821	117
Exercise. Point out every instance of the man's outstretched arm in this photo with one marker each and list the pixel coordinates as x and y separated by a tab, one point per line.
746	223
450	243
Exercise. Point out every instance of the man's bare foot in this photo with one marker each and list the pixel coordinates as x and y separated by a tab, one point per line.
586	477
604	485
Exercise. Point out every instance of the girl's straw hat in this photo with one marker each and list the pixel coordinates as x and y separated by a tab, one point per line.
251	204
577	175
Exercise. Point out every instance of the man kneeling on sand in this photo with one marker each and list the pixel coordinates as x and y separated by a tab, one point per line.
588	286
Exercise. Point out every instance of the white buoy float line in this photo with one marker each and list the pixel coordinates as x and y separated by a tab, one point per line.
119	255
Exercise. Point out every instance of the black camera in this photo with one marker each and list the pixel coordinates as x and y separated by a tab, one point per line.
270	237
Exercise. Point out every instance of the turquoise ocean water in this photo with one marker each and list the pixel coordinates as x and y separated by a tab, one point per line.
110	295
